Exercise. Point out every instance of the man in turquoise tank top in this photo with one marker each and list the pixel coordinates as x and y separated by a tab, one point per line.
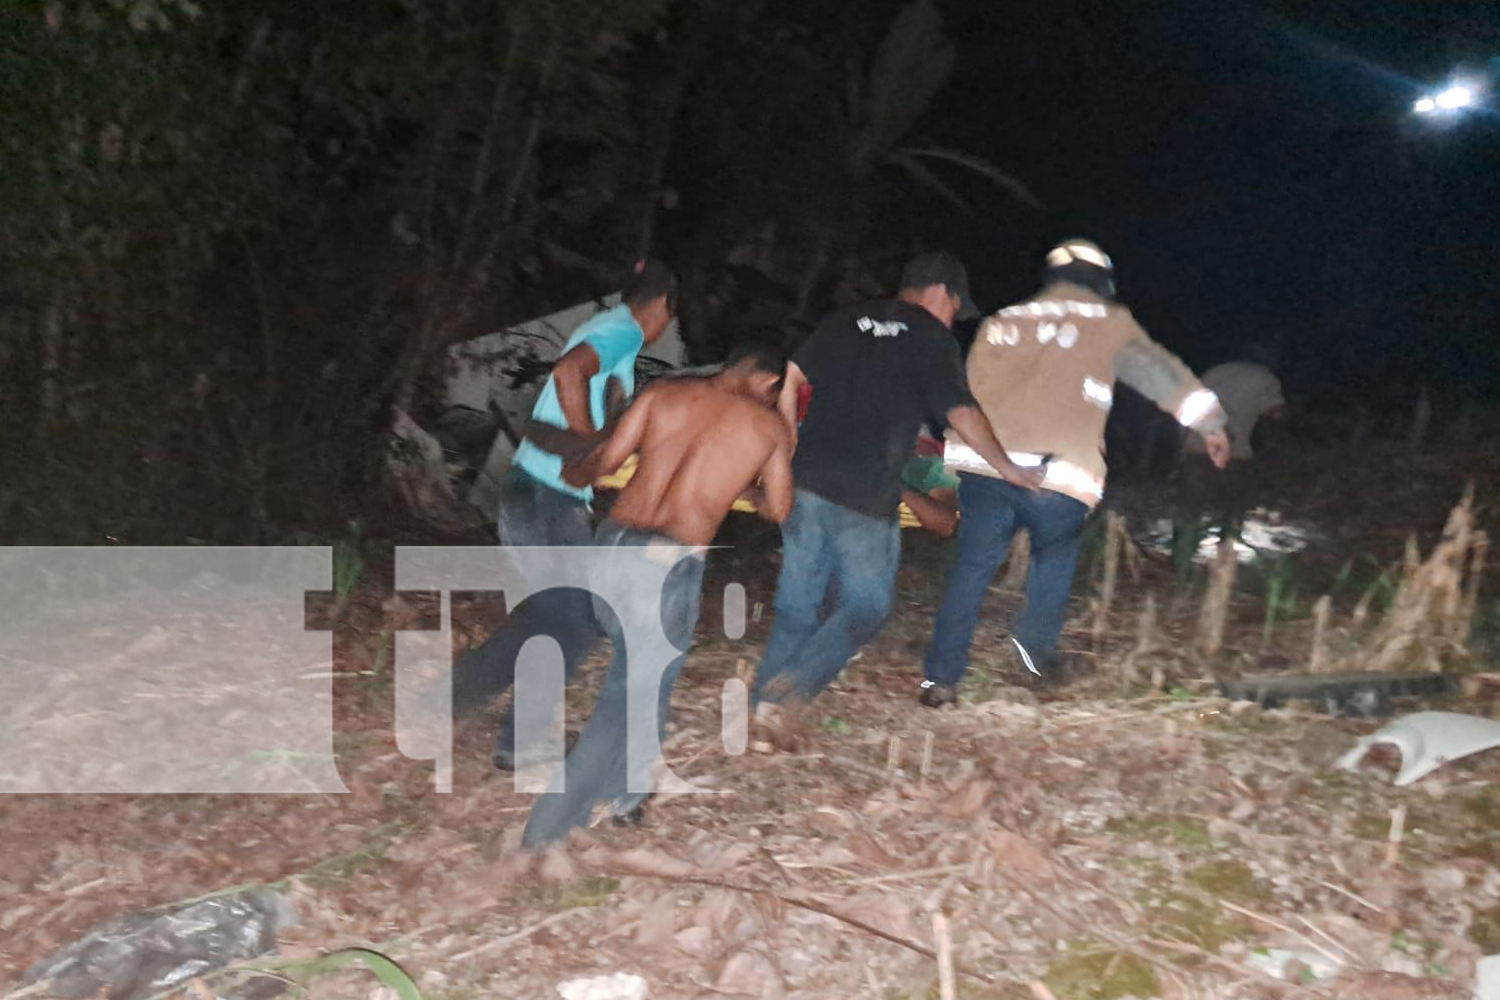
537	507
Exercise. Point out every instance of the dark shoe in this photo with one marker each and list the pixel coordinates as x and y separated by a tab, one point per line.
505	757
935	695
635	817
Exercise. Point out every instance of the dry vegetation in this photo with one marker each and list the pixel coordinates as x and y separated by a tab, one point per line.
1136	837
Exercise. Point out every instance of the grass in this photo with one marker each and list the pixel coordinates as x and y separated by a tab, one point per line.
300	974
557	897
1280	579
1182	916
1184	832
1091	971
1484	930
1231	880
377	842
1187	536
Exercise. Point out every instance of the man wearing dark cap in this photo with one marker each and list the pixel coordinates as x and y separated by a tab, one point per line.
878	372
539	507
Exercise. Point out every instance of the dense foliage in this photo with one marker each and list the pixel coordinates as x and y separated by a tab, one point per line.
237	232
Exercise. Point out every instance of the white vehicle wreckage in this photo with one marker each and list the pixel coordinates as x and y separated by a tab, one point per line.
449	470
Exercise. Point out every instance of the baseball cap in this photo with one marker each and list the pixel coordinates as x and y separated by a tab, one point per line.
938	268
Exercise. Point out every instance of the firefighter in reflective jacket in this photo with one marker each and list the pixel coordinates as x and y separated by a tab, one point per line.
1043	371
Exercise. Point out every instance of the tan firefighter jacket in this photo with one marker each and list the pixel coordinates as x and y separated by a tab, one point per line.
1043	372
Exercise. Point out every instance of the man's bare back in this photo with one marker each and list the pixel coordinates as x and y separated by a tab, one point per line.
701	444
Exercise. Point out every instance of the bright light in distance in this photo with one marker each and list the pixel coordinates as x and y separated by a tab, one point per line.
1455	97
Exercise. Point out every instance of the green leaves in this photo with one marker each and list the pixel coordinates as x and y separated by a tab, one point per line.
912	65
387	971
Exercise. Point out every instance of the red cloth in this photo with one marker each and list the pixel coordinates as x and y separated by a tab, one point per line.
804	397
928	445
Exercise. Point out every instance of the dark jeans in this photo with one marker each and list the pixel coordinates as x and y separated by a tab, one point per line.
615	752
990	512
826	544
531	513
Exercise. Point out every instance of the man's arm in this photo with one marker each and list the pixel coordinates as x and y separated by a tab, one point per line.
791	387
972	425
936	515
776	482
570	377
1161	377
571	447
946	392
608	455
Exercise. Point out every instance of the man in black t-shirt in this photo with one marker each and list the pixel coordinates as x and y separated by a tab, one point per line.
878	371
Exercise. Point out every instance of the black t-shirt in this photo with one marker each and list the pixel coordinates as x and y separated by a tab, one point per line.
879	371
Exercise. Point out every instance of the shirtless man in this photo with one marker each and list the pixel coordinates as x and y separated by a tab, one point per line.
701	443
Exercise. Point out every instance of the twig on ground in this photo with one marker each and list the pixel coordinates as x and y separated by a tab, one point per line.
1393	841
1327	937
816	906
1227	964
1284	928
944	956
1356	897
903	876
499	943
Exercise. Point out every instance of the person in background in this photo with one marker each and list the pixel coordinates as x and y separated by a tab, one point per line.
928	489
878	371
702	442
1043	371
538	507
1249	392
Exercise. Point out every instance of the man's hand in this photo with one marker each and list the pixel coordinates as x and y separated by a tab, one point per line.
975	429
581	471
1018	475
786	405
1217	446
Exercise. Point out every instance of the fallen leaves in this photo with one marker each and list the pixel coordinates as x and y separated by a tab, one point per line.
967	802
645	861
750	974
1016	854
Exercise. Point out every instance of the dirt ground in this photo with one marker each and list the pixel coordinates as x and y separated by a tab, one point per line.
1124	839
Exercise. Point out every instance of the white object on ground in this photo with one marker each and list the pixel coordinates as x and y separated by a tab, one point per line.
1487	978
1427	741
1275	961
1263	533
619	986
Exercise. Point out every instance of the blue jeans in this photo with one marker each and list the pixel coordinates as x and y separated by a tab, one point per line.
613	758
531	513
990	511
825	544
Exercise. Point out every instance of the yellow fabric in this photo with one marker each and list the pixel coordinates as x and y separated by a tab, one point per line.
620	478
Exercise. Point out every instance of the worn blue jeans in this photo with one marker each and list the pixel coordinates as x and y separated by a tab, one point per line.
616	749
531	513
823	544
990	511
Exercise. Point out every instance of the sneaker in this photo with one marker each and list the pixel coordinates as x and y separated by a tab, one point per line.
504	758
634	817
780	727
936	695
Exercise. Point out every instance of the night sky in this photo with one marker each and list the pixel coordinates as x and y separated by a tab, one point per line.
1255	173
